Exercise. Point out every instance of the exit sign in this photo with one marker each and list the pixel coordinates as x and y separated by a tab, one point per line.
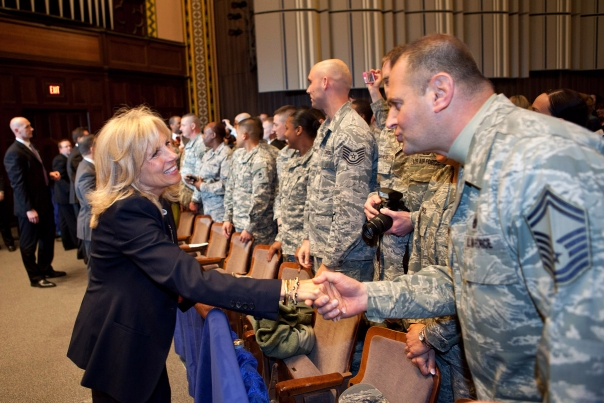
54	89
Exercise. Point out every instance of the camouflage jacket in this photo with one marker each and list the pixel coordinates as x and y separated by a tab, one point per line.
250	191
527	258
190	163
214	172
293	183
343	174
284	155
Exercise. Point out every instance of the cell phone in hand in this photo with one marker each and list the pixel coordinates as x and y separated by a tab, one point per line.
191	178
368	77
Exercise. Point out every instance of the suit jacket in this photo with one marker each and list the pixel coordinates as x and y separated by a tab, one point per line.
74	159
278	143
85	182
123	332
59	163
26	175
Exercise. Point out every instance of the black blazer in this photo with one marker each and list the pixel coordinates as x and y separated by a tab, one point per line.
124	329
26	176
59	163
278	143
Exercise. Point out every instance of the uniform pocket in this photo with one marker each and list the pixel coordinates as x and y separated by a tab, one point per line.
487	261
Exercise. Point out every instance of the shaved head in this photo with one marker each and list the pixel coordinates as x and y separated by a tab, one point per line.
329	83
337	72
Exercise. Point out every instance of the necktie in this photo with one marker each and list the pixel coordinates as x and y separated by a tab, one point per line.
31	147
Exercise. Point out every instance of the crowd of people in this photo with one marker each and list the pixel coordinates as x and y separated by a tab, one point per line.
468	220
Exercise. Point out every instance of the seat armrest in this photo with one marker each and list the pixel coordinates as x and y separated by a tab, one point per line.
292	387
204	261
183	237
187	248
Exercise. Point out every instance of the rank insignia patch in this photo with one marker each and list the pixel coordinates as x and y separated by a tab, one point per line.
353	157
561	232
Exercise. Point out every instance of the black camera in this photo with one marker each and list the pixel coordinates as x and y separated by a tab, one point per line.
374	228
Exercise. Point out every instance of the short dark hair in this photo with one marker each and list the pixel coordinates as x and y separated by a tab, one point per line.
86	144
253	127
77	133
285	110
307	119
569	105
436	53
363	108
219	129
172	119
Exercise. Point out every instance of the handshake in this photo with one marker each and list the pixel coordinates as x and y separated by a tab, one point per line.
334	295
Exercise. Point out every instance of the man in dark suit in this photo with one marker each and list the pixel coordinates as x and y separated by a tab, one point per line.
85	182
5	230
66	214
33	204
73	161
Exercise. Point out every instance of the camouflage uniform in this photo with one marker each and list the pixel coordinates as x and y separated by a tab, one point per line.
430	240
250	193
191	164
415	174
293	182
214	172
343	174
527	258
284	155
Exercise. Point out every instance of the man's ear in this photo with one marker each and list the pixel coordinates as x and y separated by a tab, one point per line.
324	82
441	88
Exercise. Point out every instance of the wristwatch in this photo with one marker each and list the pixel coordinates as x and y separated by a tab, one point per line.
423	339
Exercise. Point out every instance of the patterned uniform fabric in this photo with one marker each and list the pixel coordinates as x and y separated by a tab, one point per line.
214	172
250	193
284	155
343	174
527	258
190	164
293	183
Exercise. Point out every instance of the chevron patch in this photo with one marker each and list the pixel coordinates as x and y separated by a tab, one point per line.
353	157
561	232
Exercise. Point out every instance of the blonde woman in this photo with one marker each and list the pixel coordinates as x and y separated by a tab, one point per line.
138	276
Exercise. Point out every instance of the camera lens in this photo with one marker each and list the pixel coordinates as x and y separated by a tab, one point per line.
376	227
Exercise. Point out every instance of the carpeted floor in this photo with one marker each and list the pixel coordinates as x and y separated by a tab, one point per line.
35	329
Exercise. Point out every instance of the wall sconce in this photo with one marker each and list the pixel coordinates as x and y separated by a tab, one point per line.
235	32
236	16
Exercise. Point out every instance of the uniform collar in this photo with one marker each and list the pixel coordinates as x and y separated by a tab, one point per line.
461	146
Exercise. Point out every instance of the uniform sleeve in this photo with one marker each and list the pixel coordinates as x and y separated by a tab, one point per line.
426	294
228	195
380	111
559	239
443	333
263	175
218	187
354	177
14	169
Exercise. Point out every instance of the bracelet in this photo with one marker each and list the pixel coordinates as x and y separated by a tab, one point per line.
291	291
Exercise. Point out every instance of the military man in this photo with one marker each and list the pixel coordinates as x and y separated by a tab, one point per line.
286	153
344	173
210	181
527	242
190	163
250	191
409	175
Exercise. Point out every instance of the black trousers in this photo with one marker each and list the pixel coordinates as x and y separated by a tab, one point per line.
40	236
161	394
5	225
67	224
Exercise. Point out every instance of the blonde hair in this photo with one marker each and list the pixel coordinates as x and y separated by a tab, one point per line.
121	148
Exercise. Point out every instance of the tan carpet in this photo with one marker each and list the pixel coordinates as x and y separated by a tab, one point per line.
35	329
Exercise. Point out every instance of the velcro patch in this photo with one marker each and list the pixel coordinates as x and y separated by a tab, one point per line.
561	232
353	157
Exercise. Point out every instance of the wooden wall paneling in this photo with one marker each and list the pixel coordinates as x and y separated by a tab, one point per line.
126	53
29	89
80	91
35	42
7	88
168	59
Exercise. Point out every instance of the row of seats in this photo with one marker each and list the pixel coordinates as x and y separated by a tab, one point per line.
323	374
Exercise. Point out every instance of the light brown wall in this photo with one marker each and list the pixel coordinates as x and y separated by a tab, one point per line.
169	20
